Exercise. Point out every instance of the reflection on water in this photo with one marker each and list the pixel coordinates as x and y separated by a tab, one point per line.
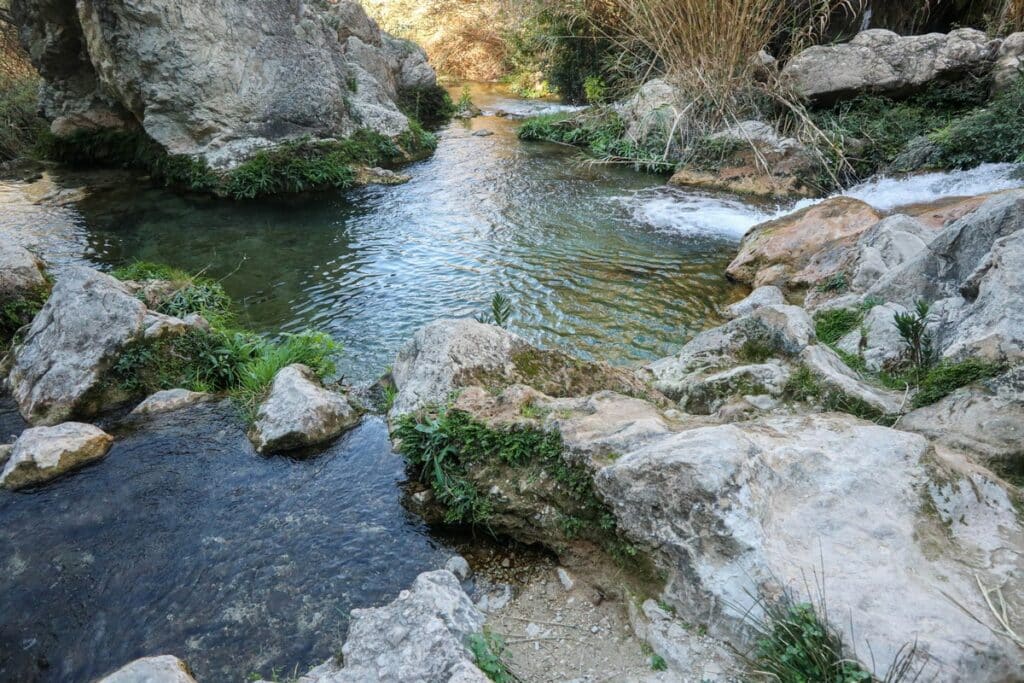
183	541
484	214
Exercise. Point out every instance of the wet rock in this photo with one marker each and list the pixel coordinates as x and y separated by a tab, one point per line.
299	413
170	400
759	298
45	453
163	669
880	61
161	69
483	133
447	355
88	321
985	420
877	340
381	176
795	251
21	273
421	636
1009	65
750	509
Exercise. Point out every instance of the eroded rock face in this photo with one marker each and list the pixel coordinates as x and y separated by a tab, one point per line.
759	298
45	453
447	355
216	80
162	669
880	61
88	321
421	636
300	413
750	509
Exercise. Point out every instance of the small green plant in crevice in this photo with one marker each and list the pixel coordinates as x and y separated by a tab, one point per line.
946	377
913	329
832	325
658	663
756	350
836	284
488	650
389	392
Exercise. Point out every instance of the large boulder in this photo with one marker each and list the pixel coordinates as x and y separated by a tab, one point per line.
422	636
299	412
447	355
747	511
88	321
216	80
880	61
804	248
162	669
1009	67
650	114
45	453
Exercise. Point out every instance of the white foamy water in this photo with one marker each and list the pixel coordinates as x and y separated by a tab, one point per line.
693	213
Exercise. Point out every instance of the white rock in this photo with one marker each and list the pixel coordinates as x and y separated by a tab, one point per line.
877	340
769	295
44	453
20	271
563	577
170	400
163	669
1009	67
299	413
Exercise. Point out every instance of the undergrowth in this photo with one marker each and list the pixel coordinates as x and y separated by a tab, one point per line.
17	312
488	652
222	359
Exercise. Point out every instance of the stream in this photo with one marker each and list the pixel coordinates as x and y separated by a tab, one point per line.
182	540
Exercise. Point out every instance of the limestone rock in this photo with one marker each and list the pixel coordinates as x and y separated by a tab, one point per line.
299	413
44	453
707	394
421	636
985	420
794	251
1009	67
5	453
162	669
837	378
21	272
891	243
686	653
880	61
745	510
170	400
877	340
89	318
217	80
760	297
651	111
447	355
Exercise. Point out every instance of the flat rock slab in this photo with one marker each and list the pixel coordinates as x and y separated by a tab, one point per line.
162	669
172	399
44	453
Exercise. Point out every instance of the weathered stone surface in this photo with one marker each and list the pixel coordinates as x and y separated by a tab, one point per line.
836	377
706	395
21	272
651	111
162	669
744	510
1009	65
299	413
781	252
170	400
877	340
447	355
421	636
686	653
217	80
759	298
986	420
892	242
44	453
880	61
88	320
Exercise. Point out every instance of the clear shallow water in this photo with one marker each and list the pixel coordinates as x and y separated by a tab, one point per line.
183	541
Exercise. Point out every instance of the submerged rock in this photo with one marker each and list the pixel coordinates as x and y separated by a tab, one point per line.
421	636
299	413
45	453
880	61
170	400
218	81
162	669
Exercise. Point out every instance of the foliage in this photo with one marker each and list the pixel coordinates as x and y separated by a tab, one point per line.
834	324
658	663
16	313
290	168
756	350
488	650
835	284
913	328
21	127
594	90
465	102
947	377
144	271
994	133
500	313
430	105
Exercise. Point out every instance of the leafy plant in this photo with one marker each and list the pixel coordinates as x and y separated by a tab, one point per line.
488	651
500	312
594	89
465	102
658	663
913	328
946	377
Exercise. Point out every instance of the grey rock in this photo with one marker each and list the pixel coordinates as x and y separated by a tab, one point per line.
170	400
21	272
458	566
651	111
162	669
5	453
891	243
421	636
299	413
877	340
837	378
769	295
565	579
881	61
45	453
483	133
750	509
705	395
1009	67
686	654
89	319
985	420
217	80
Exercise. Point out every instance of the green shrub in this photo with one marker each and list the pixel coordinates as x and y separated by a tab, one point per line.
16	313
21	128
294	167
994	133
488	651
946	377
430	105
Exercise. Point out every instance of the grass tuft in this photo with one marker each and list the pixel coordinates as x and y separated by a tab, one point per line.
488	652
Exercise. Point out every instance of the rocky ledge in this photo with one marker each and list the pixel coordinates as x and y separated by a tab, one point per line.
776	459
